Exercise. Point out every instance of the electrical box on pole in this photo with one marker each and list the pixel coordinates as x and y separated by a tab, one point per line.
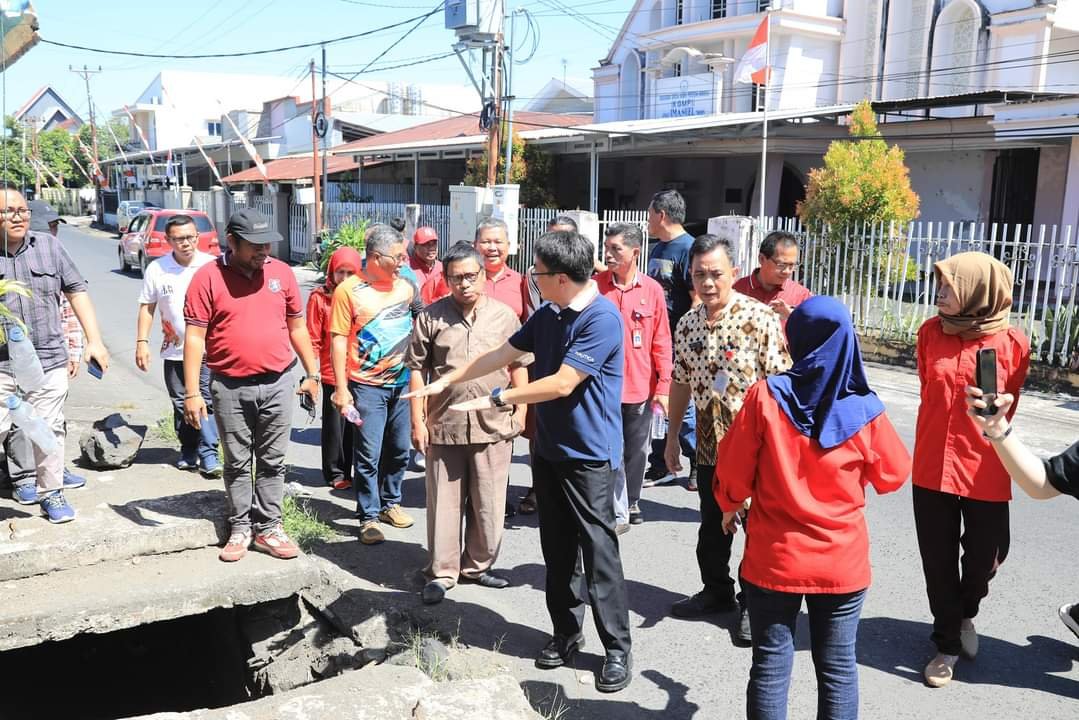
475	20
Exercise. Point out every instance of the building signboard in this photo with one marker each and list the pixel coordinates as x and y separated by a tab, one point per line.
685	96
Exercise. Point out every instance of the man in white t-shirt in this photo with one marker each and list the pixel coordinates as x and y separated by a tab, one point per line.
165	283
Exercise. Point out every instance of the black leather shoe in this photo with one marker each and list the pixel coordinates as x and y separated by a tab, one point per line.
487	580
616	672
701	604
433	592
743	635
559	651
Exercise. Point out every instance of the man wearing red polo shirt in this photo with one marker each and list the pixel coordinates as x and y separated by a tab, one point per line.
771	283
503	282
424	256
646	345
246	312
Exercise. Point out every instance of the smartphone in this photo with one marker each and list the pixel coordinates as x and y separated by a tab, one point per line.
94	368
307	403
986	379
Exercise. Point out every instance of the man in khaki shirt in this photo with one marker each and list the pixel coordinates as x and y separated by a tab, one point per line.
468	454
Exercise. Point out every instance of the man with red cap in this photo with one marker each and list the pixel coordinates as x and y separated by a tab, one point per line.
424	256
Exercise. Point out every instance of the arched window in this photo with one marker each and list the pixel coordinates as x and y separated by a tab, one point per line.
957	36
629	88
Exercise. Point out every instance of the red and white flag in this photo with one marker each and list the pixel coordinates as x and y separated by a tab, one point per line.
753	67
195	138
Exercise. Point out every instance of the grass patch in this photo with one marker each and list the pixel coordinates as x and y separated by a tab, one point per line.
164	429
302	524
434	667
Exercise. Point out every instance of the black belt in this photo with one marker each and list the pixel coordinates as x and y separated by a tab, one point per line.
267	378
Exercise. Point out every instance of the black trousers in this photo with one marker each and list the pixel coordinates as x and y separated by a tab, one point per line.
576	515
336	440
713	545
956	585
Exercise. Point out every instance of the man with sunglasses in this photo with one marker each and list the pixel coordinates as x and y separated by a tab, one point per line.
38	260
371	322
773	283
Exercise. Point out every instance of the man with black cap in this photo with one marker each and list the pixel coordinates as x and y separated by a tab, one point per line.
246	312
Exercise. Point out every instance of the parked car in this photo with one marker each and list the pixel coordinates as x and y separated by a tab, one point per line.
127	210
145	240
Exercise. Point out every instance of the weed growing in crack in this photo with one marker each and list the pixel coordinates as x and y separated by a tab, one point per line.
302	524
164	429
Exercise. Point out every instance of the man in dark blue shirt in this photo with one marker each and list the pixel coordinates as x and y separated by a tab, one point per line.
668	264
576	339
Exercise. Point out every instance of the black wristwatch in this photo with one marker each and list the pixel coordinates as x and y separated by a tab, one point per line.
496	398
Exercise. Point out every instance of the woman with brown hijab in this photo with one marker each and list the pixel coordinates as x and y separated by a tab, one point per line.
961	489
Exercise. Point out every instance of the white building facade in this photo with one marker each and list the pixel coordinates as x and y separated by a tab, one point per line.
939	69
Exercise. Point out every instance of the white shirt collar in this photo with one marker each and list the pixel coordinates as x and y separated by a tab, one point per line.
580	300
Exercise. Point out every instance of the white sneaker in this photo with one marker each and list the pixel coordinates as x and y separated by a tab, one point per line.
1069	614
968	638
940	670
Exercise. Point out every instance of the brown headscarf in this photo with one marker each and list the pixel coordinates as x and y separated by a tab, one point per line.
983	286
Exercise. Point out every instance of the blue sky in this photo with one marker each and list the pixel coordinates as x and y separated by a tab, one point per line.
200	26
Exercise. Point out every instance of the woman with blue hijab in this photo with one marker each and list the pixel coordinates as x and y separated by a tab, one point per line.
804	446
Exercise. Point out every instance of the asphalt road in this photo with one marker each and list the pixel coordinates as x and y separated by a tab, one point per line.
1027	667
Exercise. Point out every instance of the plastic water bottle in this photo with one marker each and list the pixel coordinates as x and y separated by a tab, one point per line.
25	364
659	422
353	415
22	414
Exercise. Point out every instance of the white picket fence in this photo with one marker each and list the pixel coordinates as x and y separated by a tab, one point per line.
884	273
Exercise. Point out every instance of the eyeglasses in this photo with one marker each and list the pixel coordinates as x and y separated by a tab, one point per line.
15	212
784	266
185	238
469	278
399	259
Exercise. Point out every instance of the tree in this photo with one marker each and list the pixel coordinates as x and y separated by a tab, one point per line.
863	181
14	168
53	147
532	169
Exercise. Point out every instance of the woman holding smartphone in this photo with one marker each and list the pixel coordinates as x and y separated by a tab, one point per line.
961	489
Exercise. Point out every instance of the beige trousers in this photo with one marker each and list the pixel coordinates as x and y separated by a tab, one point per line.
48	404
465	484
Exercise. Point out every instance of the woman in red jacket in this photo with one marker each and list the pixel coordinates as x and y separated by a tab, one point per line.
961	489
336	431
804	446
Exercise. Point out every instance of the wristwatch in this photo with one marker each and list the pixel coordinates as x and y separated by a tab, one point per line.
496	398
317	377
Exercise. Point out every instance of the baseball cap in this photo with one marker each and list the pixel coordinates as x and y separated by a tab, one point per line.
252	226
424	235
41	214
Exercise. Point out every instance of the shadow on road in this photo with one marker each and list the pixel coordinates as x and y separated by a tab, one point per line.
549	699
902	647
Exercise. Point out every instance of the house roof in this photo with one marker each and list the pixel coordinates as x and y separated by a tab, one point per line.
295	167
463	128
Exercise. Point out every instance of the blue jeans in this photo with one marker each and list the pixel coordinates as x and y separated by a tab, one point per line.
201	443
687	439
380	447
833	632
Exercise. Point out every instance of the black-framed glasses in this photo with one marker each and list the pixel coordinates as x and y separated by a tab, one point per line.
185	238
15	212
470	278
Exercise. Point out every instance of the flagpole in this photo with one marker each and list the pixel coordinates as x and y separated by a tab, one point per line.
764	134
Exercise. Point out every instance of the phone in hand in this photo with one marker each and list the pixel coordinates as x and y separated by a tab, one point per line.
307	403
94	368
986	379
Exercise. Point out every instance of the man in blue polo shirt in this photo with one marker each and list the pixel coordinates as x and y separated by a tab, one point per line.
576	339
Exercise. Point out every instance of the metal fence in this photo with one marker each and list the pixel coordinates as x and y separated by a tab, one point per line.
884	273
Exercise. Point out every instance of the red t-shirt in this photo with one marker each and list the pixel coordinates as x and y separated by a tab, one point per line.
422	273
806	529
245	318
647	369
506	288
950	454
790	292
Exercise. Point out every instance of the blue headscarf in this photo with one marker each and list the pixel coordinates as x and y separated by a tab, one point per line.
825	393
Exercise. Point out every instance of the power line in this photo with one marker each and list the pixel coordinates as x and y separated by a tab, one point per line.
401	39
246	53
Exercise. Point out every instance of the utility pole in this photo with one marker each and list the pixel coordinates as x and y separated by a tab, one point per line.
35	150
493	131
86	73
314	153
329	130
